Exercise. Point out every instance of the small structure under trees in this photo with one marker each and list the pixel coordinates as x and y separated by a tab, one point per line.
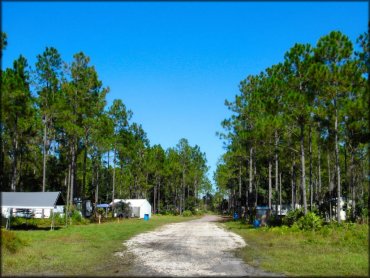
139	207
30	201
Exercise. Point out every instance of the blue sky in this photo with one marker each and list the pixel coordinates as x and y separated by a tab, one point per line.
174	64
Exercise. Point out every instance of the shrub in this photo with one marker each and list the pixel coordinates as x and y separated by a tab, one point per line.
59	219
326	231
187	213
100	211
76	218
292	217
11	242
122	209
199	212
274	220
17	221
166	212
310	221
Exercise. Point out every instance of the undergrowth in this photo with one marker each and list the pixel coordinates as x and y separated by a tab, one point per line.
10	242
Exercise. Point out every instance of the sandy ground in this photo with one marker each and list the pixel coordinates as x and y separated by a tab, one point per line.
194	248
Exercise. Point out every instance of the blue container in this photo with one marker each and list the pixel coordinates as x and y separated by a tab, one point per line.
236	216
146	217
256	223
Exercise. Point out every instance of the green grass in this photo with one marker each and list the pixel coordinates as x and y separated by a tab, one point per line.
331	251
76	250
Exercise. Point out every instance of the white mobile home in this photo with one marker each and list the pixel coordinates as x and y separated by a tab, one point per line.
139	207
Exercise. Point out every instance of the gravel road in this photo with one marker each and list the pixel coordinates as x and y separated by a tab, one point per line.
194	248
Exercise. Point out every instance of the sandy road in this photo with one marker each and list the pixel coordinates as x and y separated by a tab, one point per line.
194	248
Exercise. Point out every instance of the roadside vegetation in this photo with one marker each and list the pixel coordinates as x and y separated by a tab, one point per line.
305	245
76	250
298	133
59	133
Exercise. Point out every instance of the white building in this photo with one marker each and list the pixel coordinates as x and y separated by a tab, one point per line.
139	207
31	204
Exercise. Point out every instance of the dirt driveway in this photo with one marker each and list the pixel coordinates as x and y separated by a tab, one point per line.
194	248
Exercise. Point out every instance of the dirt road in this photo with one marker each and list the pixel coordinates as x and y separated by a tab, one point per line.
195	248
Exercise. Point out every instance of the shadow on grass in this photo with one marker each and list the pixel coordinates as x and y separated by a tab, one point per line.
28	227
225	218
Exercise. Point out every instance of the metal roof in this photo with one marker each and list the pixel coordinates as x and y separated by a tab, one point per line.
103	206
31	199
133	202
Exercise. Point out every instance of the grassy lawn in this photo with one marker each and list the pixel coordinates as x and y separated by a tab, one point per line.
77	250
331	251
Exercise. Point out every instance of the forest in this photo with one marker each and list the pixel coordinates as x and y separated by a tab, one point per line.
58	134
298	135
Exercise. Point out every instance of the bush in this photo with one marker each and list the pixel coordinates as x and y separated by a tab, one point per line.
122	209
11	242
274	220
310	221
100	211
292	217
199	212
187	213
166	212
75	217
59	219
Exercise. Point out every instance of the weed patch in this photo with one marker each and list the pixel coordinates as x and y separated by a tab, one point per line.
10	242
332	250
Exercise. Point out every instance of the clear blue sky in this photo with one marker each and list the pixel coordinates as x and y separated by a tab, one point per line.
174	64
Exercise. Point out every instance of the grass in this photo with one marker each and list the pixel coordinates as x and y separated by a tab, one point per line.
75	250
331	251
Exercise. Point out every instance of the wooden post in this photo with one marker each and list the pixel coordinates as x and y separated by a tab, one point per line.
52	220
9	218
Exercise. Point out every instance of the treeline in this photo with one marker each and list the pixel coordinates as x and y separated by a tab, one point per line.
57	134
299	131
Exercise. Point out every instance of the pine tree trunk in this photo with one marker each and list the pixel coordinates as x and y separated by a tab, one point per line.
154	198
97	188
84	173
183	192
250	169
337	165
319	175
73	172
84	166
20	184
329	187
280	194
298	196
188	190
13	184
178	196
310	154
44	153
293	185
255	174
270	185
68	182
352	185
240	180
303	170
196	191
159	196
276	172
114	172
